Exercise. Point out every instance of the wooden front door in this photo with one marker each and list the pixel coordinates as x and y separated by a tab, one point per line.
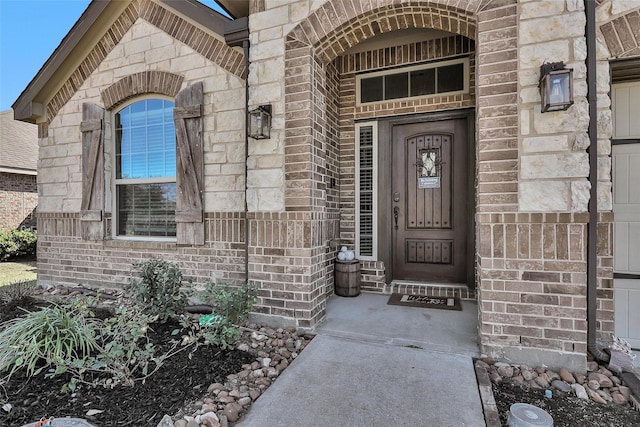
429	201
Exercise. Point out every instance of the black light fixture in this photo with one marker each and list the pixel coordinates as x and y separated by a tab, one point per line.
260	122
556	86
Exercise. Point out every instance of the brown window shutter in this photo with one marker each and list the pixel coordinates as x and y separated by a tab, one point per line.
92	208
190	165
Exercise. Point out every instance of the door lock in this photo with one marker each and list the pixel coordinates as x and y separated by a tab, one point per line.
396	213
396	197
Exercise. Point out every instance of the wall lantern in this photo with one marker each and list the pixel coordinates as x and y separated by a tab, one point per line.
260	122
556	86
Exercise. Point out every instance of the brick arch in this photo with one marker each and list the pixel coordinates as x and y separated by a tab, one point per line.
310	48
338	24
619	36
159	82
177	27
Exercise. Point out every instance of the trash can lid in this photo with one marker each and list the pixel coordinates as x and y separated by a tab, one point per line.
525	415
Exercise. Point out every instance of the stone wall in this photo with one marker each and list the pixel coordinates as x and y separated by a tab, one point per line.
531	168
300	40
139	57
534	189
18	201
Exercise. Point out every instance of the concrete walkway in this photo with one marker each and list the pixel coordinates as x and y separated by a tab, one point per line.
373	365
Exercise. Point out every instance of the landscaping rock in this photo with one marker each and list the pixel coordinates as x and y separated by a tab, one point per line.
566	376
600	385
166	421
561	385
619	399
595	396
580	391
505	371
603	380
236	395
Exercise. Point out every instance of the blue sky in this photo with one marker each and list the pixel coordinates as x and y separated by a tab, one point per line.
30	30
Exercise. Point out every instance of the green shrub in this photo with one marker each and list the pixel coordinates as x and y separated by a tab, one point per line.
157	292
231	307
16	243
68	338
124	350
51	336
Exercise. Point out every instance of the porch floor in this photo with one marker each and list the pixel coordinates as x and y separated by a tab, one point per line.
367	317
358	370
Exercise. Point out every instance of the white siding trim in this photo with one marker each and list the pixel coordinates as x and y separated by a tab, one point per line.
373	254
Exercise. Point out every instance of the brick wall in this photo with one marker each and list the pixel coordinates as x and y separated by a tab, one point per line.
349	65
531	264
18	200
63	257
146	51
291	262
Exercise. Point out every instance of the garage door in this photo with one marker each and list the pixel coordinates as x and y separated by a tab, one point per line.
626	206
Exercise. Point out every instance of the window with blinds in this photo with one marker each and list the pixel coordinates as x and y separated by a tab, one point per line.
145	160
366	190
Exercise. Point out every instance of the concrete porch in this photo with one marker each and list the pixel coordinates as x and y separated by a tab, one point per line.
368	318
378	365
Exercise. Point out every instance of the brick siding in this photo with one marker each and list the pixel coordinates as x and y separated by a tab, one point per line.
63	257
18	201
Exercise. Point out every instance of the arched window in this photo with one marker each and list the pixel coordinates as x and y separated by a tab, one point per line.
145	169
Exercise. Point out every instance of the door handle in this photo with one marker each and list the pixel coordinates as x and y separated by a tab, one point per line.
396	213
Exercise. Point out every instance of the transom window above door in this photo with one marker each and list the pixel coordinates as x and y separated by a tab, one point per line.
145	161
436	78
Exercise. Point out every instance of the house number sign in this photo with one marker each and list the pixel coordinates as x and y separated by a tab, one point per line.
429	165
429	182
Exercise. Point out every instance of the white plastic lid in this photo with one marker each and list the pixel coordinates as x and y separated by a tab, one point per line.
525	415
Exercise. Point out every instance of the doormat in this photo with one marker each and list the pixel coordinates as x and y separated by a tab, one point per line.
425	301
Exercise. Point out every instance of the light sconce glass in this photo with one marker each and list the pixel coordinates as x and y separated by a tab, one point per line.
260	122
556	87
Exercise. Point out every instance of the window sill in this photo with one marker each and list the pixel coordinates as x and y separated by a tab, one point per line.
140	244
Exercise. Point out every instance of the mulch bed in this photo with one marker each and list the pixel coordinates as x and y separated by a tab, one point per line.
182	379
566	410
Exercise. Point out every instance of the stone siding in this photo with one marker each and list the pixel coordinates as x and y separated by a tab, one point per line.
531	169
18	201
141	59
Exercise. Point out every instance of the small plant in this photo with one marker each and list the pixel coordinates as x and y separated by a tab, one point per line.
16	243
233	303
49	336
157	292
17	290
124	351
231	307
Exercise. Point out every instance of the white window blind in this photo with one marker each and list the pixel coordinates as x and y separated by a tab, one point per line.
366	190
145	159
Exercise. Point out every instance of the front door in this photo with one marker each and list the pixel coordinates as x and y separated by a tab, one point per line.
429	201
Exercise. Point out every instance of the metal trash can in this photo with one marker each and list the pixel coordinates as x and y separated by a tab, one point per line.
347	278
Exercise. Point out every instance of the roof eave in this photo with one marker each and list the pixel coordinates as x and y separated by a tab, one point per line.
26	108
235	8
18	171
31	104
